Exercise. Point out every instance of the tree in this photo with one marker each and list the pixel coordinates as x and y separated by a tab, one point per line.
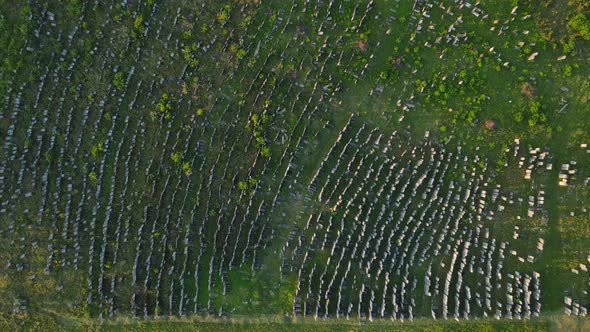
165	106
255	120
186	168
138	24
223	15
242	185
93	178
96	149
252	182
581	25
176	157
259	142
265	152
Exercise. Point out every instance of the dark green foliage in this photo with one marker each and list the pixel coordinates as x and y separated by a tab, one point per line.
74	7
221	108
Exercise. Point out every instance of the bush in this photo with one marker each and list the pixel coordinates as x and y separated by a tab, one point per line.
119	81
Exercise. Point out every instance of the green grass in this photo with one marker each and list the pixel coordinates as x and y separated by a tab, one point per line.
43	321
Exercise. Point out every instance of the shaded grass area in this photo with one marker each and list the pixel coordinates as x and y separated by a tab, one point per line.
48	321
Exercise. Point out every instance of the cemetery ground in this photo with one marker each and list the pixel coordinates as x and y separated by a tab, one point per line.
304	165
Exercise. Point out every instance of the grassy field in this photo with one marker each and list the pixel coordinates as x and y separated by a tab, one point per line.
257	323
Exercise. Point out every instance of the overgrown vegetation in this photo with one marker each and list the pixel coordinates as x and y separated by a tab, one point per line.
290	158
